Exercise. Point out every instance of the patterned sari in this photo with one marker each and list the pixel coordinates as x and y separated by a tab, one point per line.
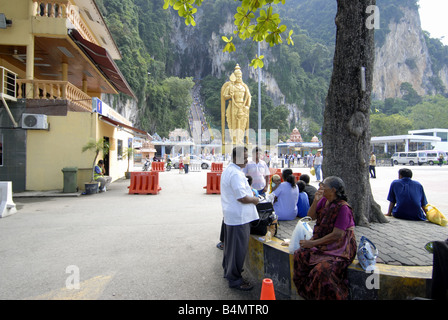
320	273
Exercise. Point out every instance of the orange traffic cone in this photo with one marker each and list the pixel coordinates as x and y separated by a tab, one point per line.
267	290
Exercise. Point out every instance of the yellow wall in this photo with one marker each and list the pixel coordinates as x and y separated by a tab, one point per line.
19	11
48	152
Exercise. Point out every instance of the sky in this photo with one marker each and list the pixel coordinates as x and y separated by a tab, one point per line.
433	17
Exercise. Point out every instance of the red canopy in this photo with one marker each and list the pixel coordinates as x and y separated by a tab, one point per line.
104	62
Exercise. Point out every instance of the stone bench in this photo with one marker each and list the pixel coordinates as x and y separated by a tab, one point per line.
272	260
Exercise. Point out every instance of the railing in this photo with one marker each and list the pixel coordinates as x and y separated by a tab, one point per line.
7	83
58	90
63	9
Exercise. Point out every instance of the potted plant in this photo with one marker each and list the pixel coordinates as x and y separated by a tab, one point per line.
96	146
128	153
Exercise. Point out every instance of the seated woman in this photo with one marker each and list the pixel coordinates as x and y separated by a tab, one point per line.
303	204
286	197
320	265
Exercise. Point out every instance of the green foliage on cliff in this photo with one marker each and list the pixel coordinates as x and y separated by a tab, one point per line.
144	33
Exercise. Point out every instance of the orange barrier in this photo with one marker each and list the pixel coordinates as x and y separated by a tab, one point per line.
157	166
144	183
297	175
217	167
267	290
213	183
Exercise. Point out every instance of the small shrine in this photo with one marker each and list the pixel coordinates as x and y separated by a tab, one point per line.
296	136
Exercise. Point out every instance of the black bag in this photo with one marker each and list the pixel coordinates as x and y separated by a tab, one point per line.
267	217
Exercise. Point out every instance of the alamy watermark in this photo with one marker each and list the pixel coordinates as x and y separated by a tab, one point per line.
72	281
373	20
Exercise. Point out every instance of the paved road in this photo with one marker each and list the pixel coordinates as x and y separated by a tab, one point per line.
135	246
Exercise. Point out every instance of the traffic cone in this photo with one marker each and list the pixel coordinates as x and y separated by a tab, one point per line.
267	290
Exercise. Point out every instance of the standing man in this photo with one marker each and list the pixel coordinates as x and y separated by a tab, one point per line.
317	163
274	161
372	165
407	197
259	172
239	209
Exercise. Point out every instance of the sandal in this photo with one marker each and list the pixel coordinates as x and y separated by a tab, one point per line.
244	286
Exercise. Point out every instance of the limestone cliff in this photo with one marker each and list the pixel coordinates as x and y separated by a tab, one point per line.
404	57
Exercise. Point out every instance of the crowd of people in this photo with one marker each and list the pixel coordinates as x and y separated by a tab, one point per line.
320	265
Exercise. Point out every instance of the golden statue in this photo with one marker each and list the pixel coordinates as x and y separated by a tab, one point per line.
236	92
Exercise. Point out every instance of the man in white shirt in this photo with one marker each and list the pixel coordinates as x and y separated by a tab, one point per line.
239	209
274	161
259	172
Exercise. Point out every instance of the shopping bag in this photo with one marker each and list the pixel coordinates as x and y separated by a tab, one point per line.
367	253
302	231
435	216
313	171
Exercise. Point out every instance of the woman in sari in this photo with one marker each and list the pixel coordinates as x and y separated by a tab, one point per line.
320	265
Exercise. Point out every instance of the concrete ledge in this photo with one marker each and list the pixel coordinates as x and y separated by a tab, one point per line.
388	282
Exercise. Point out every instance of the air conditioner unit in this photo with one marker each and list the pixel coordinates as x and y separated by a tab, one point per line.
34	121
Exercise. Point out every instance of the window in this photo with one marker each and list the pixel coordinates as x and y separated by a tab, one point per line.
443	136
120	149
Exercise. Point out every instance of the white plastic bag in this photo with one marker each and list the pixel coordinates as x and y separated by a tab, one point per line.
302	231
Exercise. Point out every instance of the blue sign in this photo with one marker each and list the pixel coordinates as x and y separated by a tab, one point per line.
97	105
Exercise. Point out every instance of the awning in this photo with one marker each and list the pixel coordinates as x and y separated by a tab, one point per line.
121	125
105	63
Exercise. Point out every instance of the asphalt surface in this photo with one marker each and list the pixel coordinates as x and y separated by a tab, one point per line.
159	247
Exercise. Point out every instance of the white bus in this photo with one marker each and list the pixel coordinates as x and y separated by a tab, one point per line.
433	156
419	157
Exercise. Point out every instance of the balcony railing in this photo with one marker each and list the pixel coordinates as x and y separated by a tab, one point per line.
7	83
63	9
58	90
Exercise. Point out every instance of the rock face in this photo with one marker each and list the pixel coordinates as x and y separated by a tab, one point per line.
403	57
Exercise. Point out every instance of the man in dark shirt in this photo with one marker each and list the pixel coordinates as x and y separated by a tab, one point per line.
407	197
309	189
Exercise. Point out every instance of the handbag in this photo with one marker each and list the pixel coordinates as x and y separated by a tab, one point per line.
367	253
313	171
302	231
267	218
435	216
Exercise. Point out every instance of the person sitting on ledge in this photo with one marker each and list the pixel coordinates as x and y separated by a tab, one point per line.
407	197
320	265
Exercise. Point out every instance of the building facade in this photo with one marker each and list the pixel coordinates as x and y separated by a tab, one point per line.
56	60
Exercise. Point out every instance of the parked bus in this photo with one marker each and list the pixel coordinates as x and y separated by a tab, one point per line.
410	158
419	157
433	156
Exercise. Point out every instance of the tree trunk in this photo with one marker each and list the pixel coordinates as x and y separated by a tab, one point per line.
346	130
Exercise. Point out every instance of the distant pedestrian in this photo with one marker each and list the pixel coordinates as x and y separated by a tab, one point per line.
372	165
317	163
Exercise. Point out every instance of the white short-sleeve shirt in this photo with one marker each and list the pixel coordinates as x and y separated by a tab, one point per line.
257	171
234	186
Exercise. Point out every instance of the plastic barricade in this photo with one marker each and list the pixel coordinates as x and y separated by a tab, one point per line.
194	167
213	183
7	205
217	166
297	175
144	183
157	166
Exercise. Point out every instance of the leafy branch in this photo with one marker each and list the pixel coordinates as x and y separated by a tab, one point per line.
266	27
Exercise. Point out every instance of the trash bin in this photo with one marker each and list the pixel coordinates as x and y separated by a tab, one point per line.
70	179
